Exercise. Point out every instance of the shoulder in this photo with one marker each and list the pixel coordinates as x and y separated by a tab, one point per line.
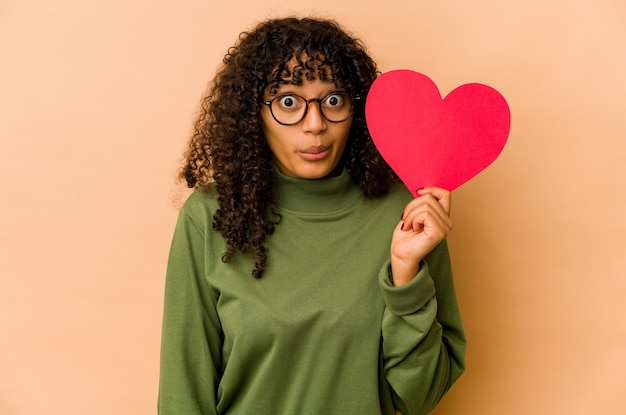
398	191
201	205
397	196
387	208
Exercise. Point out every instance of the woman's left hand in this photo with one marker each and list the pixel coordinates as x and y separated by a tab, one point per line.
425	223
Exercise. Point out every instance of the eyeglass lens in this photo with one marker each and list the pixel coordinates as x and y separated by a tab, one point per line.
289	109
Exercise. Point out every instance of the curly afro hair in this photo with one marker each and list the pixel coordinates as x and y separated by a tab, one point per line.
228	146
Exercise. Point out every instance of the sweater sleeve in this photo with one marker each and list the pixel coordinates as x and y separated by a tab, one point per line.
191	334
423	338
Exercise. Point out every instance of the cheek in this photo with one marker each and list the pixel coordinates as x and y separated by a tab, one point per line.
277	140
345	133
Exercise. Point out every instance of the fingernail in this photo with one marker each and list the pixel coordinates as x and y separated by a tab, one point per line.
402	216
420	190
402	227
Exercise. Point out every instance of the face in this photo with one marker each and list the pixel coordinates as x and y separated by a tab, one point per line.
312	148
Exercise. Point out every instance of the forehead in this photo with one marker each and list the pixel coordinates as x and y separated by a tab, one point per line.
299	68
307	89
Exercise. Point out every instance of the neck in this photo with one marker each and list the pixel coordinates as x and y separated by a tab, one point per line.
327	195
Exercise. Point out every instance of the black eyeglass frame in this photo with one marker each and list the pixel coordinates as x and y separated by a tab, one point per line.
354	99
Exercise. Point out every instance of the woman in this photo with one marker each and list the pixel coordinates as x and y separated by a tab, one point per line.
292	285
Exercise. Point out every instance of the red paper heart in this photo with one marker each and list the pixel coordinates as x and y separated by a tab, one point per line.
430	141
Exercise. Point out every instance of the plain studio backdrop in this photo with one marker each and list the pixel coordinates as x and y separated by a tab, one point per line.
97	100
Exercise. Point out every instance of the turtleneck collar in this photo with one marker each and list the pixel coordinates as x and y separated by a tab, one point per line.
318	196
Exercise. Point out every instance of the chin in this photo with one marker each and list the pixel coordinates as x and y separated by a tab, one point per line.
314	172
320	174
331	171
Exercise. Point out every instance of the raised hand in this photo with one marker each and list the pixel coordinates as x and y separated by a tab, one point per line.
425	223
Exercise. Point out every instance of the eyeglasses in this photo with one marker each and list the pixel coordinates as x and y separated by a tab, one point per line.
290	109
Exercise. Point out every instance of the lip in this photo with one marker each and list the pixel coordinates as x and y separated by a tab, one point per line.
314	153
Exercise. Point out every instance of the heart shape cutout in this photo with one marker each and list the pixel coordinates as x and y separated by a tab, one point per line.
430	141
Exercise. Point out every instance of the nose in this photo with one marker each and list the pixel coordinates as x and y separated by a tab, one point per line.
314	121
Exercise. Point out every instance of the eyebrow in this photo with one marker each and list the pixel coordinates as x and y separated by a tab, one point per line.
289	91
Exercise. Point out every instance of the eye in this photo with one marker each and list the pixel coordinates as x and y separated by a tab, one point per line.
334	100
289	102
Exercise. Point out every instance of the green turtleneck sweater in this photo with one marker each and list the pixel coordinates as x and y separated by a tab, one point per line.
324	331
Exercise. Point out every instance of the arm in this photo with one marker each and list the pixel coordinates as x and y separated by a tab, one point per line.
423	338
191	336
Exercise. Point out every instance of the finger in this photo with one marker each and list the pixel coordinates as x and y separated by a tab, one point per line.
427	219
417	219
423	210
427	203
443	196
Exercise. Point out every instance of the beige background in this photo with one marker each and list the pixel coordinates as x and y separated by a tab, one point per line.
97	100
